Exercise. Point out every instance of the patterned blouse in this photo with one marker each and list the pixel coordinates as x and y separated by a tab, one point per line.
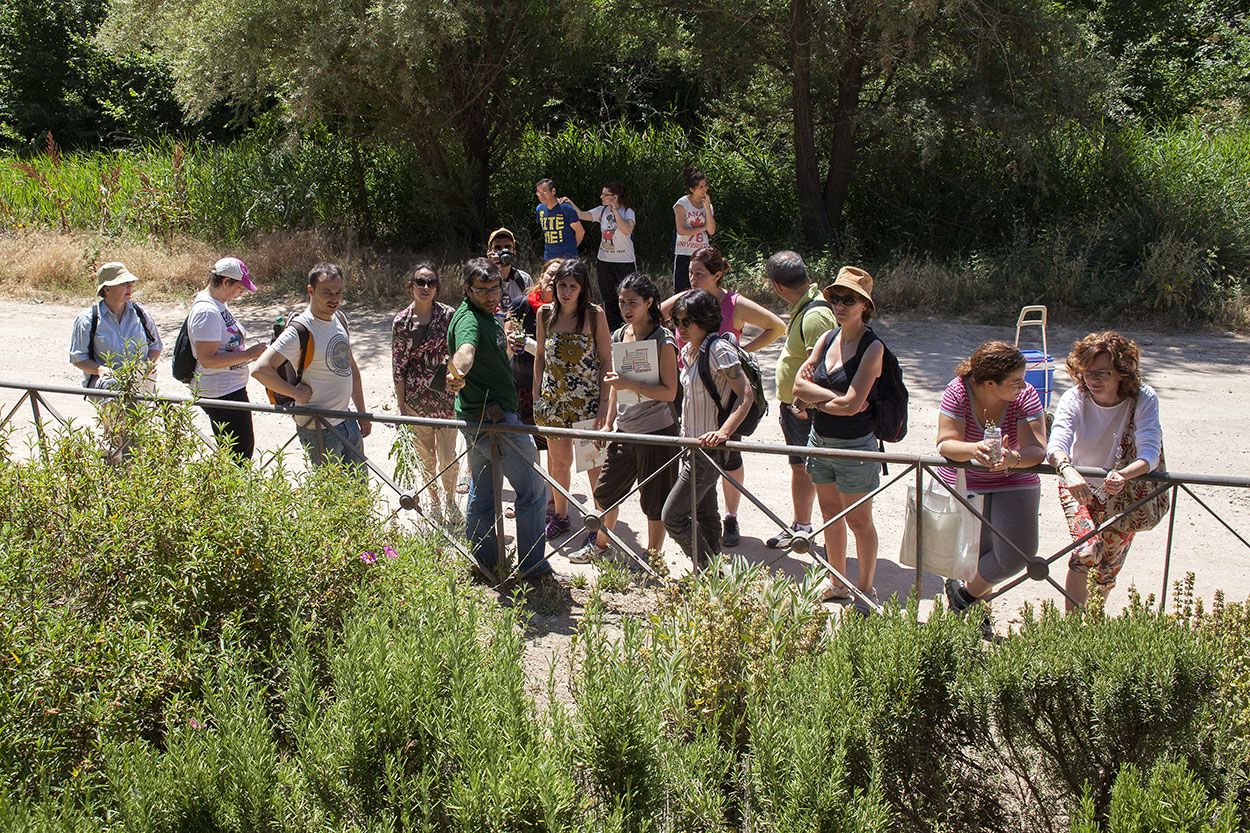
418	354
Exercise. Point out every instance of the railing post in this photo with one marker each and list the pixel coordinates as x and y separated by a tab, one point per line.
1167	553
919	515
43	440
694	506
319	429
496	479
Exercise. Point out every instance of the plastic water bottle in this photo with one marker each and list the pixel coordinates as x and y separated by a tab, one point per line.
279	324
994	436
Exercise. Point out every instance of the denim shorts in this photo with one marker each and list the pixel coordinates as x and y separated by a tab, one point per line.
852	477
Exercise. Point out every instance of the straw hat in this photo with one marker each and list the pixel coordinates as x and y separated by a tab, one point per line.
854	279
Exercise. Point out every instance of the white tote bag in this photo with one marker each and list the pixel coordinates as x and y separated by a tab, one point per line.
952	534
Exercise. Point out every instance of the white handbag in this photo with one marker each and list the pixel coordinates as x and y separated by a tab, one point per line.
952	534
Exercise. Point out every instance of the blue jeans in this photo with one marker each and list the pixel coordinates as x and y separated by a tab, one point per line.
331	445
518	457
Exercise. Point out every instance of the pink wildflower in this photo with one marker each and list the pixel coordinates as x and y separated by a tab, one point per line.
368	557
389	551
194	724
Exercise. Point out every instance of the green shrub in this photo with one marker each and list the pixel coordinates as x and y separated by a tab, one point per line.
117	581
1074	699
1168	797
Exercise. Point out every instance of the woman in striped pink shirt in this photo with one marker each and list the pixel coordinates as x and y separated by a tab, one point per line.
989	389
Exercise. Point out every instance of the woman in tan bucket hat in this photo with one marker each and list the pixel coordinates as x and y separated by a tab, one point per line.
836	379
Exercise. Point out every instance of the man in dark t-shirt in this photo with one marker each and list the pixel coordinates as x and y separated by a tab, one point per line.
561	228
480	375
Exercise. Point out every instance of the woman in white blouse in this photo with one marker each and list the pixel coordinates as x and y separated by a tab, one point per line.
1110	420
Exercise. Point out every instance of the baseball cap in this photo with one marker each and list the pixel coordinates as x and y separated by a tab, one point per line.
235	269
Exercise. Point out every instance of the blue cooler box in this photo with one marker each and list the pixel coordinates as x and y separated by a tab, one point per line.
1039	371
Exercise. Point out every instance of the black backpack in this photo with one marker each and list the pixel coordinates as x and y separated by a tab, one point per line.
888	399
759	408
184	358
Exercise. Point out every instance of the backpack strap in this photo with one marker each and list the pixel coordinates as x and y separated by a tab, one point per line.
704	364
95	325
305	348
144	320
815	303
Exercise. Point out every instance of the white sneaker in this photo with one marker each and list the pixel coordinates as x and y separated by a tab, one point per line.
587	554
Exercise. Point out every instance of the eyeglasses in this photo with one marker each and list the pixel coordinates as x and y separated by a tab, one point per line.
844	300
423	283
1100	375
486	291
683	322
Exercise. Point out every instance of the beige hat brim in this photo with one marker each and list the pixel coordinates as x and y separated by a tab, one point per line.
124	277
847	283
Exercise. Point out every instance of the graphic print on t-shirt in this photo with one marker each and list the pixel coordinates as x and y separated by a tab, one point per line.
337	356
234	337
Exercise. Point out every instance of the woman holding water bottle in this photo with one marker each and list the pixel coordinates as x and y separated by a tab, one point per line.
993	418
1109	420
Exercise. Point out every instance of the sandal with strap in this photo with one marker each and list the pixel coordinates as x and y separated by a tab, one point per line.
833	591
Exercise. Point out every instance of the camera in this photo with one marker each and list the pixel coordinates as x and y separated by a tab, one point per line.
505	256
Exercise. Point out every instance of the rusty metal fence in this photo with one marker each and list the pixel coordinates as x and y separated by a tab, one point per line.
912	467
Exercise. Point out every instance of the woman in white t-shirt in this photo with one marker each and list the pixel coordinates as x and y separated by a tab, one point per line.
218	342
1110	420
616	259
696	223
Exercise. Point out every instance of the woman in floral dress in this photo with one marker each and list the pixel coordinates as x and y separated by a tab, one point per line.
574	352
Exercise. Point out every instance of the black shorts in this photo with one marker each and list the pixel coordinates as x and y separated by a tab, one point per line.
795	430
628	463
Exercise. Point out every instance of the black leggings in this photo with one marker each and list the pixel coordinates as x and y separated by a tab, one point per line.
610	276
237	425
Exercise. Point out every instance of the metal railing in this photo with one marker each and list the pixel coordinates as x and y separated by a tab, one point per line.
915	465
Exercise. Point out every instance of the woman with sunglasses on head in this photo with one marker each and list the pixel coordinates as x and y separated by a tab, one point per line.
616	259
419	366
1110	420
574	351
837	379
989	390
708	270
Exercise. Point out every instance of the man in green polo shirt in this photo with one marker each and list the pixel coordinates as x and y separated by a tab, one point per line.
810	318
481	377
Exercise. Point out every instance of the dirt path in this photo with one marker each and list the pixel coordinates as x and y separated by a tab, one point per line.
1199	379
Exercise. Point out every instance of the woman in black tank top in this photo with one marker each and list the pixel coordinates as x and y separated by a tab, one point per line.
837	378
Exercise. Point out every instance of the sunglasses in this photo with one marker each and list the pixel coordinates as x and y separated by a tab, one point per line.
423	283
683	322
844	300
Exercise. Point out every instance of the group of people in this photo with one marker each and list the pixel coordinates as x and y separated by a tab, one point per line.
539	351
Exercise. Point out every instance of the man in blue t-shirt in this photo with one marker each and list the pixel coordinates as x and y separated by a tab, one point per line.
562	231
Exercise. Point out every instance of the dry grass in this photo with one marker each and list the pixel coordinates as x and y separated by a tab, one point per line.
61	267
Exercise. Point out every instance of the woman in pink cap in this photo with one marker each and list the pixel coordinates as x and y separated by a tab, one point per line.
222	356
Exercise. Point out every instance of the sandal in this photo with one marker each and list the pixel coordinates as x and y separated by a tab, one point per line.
832	591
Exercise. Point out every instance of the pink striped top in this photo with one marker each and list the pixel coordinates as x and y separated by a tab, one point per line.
956	404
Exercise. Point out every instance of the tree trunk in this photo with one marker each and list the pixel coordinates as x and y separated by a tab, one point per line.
817	228
846	114
365	230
